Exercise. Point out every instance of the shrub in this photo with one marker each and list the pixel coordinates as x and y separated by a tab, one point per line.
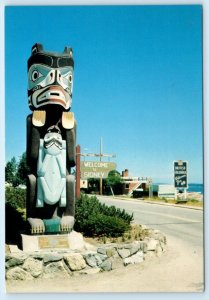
15	197
14	214
93	218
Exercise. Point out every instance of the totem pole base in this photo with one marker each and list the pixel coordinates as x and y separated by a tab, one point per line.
70	241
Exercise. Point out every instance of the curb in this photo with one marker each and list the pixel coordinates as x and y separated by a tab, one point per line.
158	203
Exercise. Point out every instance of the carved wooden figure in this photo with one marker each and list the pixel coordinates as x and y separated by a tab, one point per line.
51	141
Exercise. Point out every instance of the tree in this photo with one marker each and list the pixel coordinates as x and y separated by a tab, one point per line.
16	173
114	181
22	170
10	171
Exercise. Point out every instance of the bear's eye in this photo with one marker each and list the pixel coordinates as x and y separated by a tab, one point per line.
70	78
35	75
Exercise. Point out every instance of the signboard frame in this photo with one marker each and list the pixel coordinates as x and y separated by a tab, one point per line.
180	169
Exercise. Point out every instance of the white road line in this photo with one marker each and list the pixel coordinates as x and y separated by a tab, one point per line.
165	215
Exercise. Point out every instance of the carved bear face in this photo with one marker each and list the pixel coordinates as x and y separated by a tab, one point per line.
53	141
50	78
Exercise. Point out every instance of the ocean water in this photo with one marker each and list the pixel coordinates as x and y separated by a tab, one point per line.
195	187
192	187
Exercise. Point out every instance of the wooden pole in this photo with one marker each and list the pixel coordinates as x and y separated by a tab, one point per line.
78	171
100	185
100	155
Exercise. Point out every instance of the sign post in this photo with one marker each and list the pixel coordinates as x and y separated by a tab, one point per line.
180	175
91	169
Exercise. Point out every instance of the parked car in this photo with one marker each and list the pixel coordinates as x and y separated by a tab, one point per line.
137	193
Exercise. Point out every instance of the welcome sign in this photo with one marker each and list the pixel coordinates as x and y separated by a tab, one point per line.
96	169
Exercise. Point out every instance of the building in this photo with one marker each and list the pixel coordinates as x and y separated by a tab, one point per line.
131	183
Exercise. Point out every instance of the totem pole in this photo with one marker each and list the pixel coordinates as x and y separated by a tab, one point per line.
51	141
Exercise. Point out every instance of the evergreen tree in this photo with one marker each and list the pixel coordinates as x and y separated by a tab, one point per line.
10	171
22	170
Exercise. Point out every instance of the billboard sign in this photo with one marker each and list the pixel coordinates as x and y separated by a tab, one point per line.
180	174
96	169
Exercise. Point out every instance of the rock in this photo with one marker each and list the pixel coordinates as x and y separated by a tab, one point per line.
75	261
76	240
117	262
106	265
14	249
18	273
91	260
101	250
163	239
15	260
163	246
39	256
159	236
33	266
98	260
143	246
8	257
51	257
55	270
124	253
134	259
152	244
83	259
158	250
127	246
7	249
110	251
135	248
102	257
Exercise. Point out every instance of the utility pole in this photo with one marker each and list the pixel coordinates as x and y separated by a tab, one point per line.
100	155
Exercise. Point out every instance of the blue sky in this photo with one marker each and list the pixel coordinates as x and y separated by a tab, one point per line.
137	81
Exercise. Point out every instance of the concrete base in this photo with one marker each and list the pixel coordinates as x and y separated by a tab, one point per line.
71	241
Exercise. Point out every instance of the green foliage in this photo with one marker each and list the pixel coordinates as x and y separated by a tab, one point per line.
22	170
15	197
96	219
193	200
10	171
16	172
114	181
15	214
113	178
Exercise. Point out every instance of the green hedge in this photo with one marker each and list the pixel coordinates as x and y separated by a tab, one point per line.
14	214
93	218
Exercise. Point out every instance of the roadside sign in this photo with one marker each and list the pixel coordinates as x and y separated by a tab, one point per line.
180	174
166	191
96	169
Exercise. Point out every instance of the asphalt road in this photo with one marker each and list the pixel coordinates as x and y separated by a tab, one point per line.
184	231
178	222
